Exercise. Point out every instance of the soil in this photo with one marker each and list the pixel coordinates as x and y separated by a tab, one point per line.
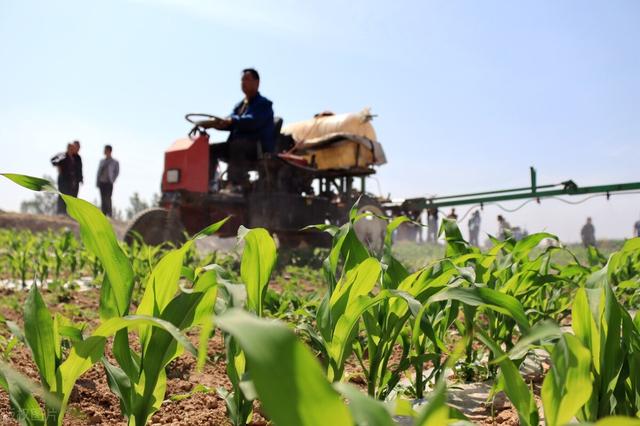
42	223
36	223
92	401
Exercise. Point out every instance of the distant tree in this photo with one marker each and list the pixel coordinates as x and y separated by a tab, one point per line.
138	204
42	202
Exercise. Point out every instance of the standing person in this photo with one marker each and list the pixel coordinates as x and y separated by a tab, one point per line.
474	228
636	229
432	225
67	179
504	228
588	234
78	166
108	171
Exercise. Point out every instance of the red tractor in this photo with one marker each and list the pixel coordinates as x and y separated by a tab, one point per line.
311	179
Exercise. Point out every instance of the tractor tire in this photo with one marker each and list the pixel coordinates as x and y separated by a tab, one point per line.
156	226
370	229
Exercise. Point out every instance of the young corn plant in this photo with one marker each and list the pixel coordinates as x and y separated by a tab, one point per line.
594	374
46	336
258	259
165	309
293	390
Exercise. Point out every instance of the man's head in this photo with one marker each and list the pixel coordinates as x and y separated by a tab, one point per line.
72	149
250	82
77	145
107	151
500	218
588	220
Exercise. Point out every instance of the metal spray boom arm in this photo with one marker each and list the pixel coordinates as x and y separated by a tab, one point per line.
533	192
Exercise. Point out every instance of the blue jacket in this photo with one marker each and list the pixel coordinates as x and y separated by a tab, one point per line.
254	123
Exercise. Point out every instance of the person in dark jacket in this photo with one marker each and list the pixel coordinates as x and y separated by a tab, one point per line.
66	163
251	130
78	166
588	234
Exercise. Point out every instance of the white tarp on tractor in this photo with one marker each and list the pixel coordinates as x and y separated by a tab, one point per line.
339	141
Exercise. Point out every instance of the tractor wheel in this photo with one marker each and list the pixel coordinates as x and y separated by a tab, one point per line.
156	226
292	240
370	229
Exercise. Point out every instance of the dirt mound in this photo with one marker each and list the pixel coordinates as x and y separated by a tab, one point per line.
42	223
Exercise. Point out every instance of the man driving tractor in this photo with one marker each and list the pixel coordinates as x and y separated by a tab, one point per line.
251	128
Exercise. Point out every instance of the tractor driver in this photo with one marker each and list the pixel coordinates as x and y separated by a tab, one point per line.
251	130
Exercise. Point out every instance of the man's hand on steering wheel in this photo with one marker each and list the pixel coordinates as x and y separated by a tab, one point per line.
207	121
223	124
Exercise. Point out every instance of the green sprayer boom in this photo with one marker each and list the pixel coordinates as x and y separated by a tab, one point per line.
535	192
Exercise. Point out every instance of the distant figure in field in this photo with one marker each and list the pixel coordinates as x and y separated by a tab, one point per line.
504	228
452	215
78	166
636	229
474	228
432	225
108	171
67	175
588	234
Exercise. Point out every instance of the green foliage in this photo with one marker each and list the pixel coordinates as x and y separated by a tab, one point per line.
472	311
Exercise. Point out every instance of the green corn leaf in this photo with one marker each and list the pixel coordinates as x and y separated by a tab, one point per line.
162	284
357	282
540	331
211	229
617	421
483	296
86	353
394	271
39	334
99	238
436	411
456	245
568	385
515	386
21	391
120	385
182	312
345	244
364	409
346	327
523	247
287	377
258	260
30	182
584	325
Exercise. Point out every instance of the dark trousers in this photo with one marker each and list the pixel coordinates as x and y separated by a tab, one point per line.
66	187
236	153
106	189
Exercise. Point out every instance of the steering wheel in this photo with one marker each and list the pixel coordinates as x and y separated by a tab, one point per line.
196	118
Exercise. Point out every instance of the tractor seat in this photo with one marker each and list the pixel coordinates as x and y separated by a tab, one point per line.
260	155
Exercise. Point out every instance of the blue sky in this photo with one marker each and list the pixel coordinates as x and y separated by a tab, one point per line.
468	94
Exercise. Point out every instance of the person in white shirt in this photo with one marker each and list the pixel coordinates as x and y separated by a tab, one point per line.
108	171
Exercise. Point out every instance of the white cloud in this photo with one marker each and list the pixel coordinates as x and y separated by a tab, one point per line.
287	17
